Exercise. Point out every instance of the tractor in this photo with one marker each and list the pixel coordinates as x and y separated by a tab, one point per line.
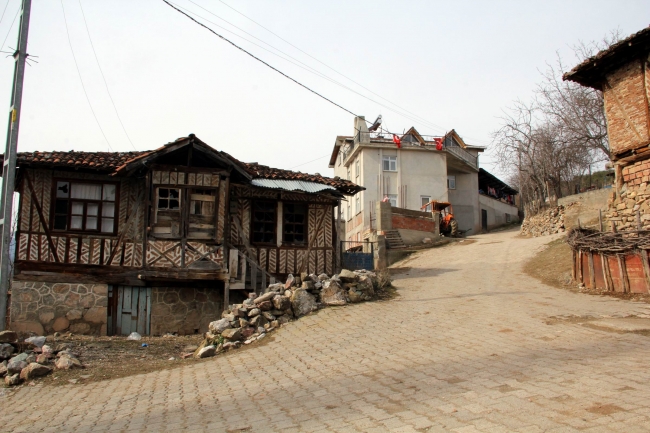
448	224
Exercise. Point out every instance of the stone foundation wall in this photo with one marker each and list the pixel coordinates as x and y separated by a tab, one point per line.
44	308
185	310
633	197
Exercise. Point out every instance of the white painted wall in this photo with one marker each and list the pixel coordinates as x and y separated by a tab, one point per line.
497	210
465	201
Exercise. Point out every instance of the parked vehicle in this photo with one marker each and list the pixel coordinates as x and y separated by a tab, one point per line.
448	224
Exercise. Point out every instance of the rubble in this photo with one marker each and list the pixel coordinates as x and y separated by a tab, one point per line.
280	303
548	222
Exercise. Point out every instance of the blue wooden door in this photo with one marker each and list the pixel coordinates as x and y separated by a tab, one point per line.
130	310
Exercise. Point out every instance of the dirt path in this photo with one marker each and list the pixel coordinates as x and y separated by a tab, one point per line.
470	344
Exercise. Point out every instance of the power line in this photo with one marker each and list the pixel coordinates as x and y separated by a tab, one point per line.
103	77
258	59
186	12
414	117
326	65
10	27
81	79
3	12
305	163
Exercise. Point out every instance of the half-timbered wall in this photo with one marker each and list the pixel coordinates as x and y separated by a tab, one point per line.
190	236
316	256
37	242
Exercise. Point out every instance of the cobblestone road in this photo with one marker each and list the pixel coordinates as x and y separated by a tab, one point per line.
464	348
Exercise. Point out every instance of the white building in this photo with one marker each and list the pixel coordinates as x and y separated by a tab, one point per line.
410	175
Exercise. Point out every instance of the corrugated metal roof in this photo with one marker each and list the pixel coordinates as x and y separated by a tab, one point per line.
291	185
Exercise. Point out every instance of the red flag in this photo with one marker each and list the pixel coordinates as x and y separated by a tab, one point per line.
438	143
397	141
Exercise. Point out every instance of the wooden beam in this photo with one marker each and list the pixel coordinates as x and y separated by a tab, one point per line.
41	217
128	223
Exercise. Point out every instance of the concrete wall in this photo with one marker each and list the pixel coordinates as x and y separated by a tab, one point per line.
465	201
44	308
595	199
497	210
185	310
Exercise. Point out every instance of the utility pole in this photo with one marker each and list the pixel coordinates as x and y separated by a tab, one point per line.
9	163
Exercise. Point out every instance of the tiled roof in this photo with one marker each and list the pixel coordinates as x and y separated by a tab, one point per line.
102	161
108	162
592	70
264	172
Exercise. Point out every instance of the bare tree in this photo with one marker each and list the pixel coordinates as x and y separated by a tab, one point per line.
544	144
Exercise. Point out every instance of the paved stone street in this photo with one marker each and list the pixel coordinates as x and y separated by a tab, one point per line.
464	348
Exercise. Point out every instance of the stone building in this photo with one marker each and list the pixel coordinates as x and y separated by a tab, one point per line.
159	241
621	73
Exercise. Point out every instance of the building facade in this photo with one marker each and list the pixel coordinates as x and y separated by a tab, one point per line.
419	170
159	241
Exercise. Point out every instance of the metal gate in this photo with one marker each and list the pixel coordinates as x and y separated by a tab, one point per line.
354	258
129	310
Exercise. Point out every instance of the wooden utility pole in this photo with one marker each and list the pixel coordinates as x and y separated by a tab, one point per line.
9	163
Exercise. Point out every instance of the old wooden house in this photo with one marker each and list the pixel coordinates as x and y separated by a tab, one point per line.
159	241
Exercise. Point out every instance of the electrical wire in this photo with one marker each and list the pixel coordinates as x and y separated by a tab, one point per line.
327	66
103	77
257	58
411	116
3	12
305	163
305	67
308	68
10	27
65	20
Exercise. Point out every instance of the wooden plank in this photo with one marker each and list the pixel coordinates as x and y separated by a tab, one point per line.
646	268
148	313
109	310
233	256
120	295
592	271
226	295
254	277
142	305
202	197
126	311
263	280
623	272
41	217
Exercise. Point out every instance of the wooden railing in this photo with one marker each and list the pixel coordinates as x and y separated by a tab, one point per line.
246	273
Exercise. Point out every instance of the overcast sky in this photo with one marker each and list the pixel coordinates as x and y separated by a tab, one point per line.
454	64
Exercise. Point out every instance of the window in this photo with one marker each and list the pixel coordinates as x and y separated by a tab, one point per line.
390	163
202	202
169	199
393	199
294	230
83	206
358	169
264	222
357	204
507	217
349	212
451	182
349	178
425	200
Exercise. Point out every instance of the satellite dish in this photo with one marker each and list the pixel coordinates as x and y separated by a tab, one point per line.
376	124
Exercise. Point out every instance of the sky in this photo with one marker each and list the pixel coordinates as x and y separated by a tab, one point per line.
444	64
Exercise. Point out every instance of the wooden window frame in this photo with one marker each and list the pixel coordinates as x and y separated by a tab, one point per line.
305	224
184	211
275	223
53	199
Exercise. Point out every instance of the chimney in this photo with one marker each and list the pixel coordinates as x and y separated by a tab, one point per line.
361	134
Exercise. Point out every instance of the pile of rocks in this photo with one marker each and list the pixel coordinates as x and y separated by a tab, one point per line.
21	361
260	314
548	222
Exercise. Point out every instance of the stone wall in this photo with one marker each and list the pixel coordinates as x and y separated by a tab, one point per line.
633	197
44	308
184	310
